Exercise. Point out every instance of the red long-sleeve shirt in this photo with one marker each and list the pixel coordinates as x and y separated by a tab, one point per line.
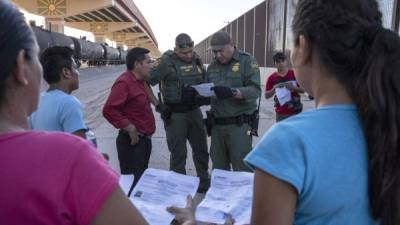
129	102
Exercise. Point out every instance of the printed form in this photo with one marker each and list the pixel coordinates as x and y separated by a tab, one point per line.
204	89
159	189
231	193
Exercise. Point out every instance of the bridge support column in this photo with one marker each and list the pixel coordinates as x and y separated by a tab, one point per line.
99	37
99	30
55	24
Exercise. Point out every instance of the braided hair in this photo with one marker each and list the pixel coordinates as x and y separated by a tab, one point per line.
365	58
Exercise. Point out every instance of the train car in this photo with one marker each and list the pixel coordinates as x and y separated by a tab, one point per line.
111	55
86	51
47	39
122	56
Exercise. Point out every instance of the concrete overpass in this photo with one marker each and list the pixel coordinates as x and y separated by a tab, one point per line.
117	20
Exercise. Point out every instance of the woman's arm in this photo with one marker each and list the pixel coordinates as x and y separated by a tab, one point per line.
274	200
117	209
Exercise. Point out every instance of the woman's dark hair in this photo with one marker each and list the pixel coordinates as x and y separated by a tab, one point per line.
15	35
349	38
54	60
135	55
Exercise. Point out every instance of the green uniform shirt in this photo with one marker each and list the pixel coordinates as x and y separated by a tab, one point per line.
173	74
243	73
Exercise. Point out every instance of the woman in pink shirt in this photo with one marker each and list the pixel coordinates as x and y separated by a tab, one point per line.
46	178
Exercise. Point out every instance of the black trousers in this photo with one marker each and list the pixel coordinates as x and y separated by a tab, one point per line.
133	159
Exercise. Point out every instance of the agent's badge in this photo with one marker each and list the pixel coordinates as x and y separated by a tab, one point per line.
236	67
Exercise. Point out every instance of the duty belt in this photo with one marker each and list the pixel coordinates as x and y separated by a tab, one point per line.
181	108
238	120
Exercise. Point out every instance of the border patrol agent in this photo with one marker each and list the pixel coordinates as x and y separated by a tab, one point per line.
236	77
176	71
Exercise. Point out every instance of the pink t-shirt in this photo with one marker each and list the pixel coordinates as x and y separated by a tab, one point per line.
51	178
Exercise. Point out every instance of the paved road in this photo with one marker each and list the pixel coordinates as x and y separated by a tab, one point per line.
95	84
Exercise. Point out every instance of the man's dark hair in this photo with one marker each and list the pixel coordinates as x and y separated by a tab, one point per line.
183	41
54	60
135	55
279	56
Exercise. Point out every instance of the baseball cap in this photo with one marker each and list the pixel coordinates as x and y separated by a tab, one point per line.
219	40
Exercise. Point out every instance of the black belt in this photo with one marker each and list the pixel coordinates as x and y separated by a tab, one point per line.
238	120
181	108
139	134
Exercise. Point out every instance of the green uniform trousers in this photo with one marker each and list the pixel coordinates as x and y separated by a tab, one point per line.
229	145
188	126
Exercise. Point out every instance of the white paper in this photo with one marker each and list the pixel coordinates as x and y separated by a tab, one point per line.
204	89
230	193
158	189
126	181
283	95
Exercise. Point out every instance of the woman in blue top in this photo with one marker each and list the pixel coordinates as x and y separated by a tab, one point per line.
340	163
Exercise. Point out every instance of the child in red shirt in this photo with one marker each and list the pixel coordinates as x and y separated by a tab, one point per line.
284	81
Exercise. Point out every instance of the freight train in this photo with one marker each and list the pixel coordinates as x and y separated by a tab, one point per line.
94	54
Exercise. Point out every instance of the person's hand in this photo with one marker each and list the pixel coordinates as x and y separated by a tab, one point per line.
133	134
289	86
237	94
229	220
222	91
184	216
279	85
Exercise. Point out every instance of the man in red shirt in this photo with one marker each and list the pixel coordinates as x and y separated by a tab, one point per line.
287	101
128	109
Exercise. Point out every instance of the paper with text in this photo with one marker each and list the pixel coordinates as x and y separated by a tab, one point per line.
283	95
230	193
204	89
158	189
